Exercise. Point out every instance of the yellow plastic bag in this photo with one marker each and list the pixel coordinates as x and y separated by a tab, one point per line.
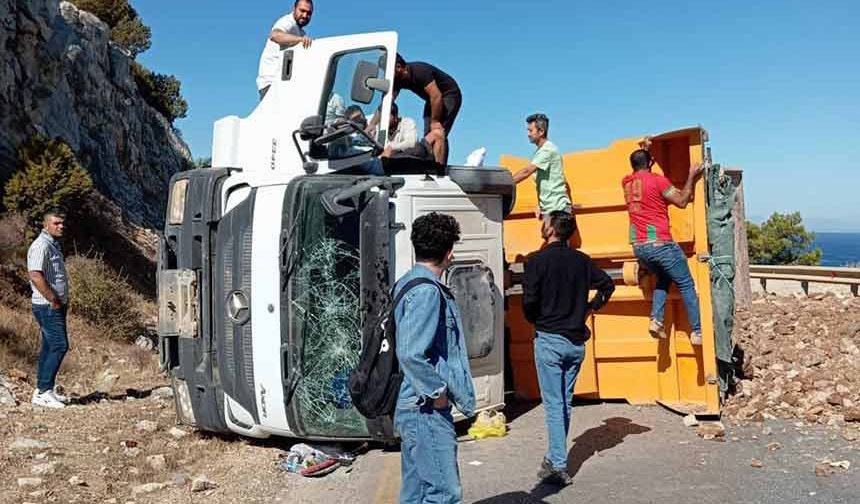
489	424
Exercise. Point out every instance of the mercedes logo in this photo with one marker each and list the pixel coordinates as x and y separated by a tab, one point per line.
238	307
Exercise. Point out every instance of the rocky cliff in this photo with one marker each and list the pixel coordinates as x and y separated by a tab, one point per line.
61	76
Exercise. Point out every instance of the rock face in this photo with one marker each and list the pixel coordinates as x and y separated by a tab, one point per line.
61	76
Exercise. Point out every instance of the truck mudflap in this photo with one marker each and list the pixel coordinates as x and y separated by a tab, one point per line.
335	270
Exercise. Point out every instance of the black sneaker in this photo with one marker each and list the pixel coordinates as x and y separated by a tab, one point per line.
551	476
545	469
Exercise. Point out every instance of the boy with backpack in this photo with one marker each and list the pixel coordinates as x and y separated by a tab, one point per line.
431	350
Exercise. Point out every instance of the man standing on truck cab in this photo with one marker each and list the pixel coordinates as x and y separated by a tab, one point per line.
442	100
548	169
648	196
556	283
287	32
431	351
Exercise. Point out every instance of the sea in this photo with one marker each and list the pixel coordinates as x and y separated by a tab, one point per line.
839	249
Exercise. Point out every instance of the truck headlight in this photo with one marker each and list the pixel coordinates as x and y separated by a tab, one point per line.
176	206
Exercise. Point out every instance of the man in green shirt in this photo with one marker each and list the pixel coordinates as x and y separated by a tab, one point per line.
548	169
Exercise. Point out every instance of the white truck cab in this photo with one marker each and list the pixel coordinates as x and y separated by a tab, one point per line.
272	259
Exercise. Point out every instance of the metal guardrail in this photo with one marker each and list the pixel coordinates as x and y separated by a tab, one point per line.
807	275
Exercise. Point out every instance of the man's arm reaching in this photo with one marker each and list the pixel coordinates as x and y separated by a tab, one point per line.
681	198
524	173
288	39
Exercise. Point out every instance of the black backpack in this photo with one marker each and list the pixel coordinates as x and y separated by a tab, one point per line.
375	383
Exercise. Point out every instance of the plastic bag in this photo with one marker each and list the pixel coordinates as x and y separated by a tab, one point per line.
476	157
489	424
301	457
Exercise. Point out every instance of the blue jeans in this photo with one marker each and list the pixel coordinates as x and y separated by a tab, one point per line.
669	263
55	344
428	456
557	360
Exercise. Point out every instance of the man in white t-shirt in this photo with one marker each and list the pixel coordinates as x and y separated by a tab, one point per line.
287	32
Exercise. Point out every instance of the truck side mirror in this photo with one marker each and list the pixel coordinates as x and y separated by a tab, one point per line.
311	127
365	81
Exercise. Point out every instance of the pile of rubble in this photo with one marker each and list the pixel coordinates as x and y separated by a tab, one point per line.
801	360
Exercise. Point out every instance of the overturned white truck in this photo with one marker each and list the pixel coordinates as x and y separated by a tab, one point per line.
271	259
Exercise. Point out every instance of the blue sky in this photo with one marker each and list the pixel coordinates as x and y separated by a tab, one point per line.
774	82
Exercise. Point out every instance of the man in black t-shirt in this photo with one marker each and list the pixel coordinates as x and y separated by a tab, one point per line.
442	99
556	284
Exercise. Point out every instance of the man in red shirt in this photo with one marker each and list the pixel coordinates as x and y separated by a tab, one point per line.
648	197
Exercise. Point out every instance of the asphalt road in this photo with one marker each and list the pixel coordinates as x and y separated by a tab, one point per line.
622	454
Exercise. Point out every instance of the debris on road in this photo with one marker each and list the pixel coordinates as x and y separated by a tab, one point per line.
841	464
823	471
801	359
45	469
147	488
177	433
30	482
76	481
712	431
827	467
302	457
147	426
201	484
758	464
690	421
25	443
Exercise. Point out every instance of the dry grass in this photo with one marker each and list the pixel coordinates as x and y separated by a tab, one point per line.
102	296
19	339
13	261
141	358
90	353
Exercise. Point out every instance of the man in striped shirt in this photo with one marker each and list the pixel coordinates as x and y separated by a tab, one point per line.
47	272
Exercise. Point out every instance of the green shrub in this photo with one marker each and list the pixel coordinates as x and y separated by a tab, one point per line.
49	176
133	34
161	92
126	26
103	298
782	239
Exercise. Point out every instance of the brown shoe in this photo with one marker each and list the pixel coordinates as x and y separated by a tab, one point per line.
656	329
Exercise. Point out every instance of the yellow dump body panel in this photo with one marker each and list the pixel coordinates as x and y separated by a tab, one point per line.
623	361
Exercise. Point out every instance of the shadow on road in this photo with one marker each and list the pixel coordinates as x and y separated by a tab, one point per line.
597	439
514	498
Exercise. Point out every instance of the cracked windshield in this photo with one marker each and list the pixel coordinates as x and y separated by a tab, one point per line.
327	322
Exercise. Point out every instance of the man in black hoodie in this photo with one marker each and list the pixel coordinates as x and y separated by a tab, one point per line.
555	299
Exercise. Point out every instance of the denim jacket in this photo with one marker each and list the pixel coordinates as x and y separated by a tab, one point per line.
431	351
